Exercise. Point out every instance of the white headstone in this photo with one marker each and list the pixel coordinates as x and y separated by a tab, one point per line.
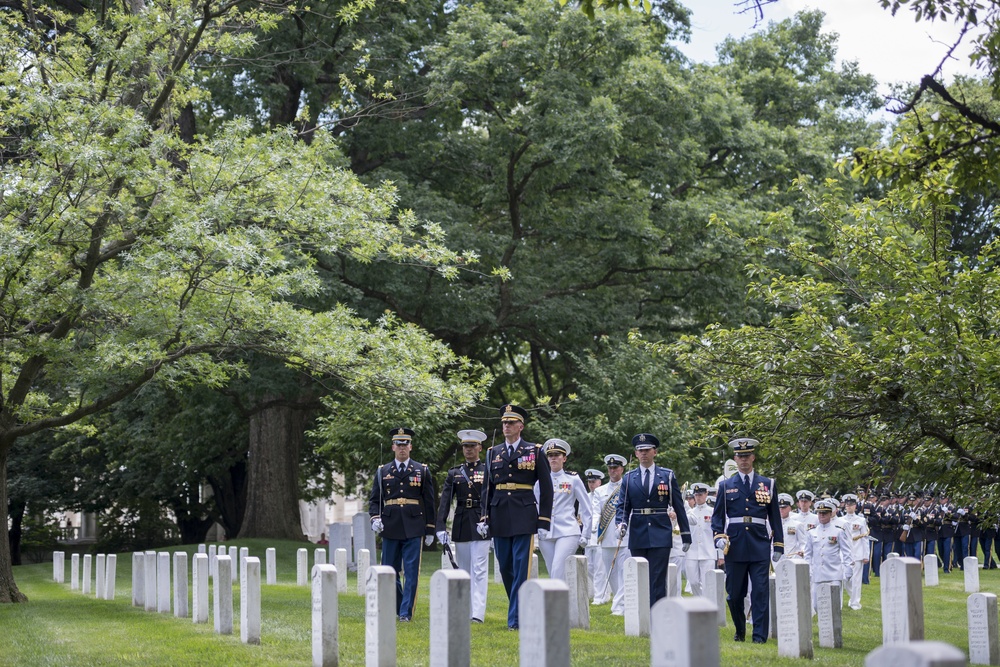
902	601
364	536
319	556
244	554
714	590
59	567
793	593
579	598
109	576
180	584
340	537
684	633
138	579
451	597
100	565
85	583
325	650
301	567
543	619
971	568
250	600
364	562
340	562
212	556
984	643
916	654
636	597
673	590
272	568
931	570
199	588
533	573
828	615
223	594
202	549
74	572
772	628
234	558
892	554
163	582
149	582
380	617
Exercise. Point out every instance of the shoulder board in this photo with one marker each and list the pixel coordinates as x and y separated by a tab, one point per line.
570	472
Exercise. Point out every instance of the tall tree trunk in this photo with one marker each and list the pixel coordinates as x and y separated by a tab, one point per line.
276	433
16	513
8	588
230	494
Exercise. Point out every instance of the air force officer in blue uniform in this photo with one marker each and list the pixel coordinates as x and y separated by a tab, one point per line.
511	511
745	504
401	507
647	494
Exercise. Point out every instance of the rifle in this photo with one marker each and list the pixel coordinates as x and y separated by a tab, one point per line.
486	481
447	550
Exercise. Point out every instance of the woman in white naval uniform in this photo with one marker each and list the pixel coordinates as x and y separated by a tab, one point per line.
827	550
702	556
569	498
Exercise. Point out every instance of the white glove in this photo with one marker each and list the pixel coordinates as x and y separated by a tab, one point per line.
442	536
377	525
960	512
584	541
775	557
622	530
906	527
954	523
720	543
913	515
543	534
429	540
685	547
482	529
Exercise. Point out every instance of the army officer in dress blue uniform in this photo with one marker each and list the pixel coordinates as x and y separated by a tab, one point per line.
465	485
511	511
643	504
401	507
746	504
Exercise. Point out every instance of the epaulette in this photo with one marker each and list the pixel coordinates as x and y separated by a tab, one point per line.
570	472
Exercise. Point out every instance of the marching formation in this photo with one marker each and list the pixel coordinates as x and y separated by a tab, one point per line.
521	497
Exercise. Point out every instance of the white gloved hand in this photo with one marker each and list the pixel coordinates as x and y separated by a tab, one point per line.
685	547
622	530
377	525
543	534
720	543
954	523
482	529
906	527
442	536
584	541
428	540
960	512
775	557
913	515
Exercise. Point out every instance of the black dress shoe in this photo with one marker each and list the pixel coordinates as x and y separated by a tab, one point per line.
477	620
739	638
759	641
404	619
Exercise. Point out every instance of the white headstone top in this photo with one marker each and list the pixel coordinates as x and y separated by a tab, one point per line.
931	570
325	639
902	601
636	597
543	618
971	568
684	633
984	644
793	593
579	599
451	592
916	654
380	617
250	600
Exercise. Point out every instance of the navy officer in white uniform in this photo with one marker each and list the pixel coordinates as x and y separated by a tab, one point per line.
570	511
647	494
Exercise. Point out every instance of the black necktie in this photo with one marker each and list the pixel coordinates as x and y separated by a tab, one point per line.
645	482
746	482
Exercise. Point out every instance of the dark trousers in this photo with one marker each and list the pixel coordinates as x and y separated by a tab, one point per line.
929	547
513	555
659	559
404	556
738	574
986	544
911	549
959	546
944	548
879	551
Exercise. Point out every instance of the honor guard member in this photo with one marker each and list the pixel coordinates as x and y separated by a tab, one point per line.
794	531
857	529
747	503
570	511
401	507
595	566
949	524
511	511
932	523
464	484
805	515
827	551
702	556
647	493
912	536
613	550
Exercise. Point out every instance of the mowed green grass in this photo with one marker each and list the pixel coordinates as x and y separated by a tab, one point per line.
63	627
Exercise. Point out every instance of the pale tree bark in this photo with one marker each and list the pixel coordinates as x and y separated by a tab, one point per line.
272	509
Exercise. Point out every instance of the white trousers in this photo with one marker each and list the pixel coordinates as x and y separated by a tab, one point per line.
697	572
555	552
474	558
854	585
597	573
616	566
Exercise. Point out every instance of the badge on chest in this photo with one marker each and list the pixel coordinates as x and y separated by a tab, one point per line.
762	494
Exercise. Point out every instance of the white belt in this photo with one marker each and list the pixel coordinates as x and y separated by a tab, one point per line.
746	519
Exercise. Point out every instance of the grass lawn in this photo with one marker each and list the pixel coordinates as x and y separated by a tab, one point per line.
63	627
